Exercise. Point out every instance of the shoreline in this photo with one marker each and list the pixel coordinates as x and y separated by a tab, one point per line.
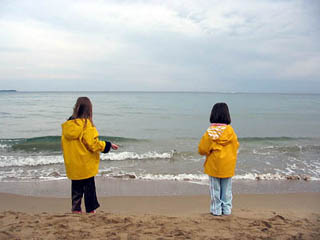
302	204
107	187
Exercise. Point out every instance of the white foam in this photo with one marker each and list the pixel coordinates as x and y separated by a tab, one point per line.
136	156
268	147
26	175
199	178
194	178
3	146
256	176
9	161
260	153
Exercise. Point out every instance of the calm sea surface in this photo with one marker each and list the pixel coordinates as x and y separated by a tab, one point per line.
158	134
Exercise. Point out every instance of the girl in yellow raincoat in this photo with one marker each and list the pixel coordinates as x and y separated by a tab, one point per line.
220	145
81	152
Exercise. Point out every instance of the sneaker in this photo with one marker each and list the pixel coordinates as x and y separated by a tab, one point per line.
216	215
226	214
92	212
77	212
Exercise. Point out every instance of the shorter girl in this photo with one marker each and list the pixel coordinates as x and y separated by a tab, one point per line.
81	151
220	145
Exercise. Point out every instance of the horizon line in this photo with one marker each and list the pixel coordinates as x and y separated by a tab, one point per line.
154	91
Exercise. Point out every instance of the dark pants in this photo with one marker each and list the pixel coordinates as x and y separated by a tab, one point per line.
87	188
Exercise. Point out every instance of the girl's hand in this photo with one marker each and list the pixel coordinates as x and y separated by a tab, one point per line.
114	146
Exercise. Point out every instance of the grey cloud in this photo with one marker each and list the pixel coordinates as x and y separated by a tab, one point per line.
196	46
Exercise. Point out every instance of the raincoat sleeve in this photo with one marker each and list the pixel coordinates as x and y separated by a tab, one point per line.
91	141
204	147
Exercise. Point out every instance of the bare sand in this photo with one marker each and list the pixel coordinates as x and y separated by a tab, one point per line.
255	216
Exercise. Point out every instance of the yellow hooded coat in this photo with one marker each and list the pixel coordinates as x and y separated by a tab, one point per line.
220	145
81	148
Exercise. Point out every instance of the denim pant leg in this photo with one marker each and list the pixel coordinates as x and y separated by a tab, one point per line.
226	195
215	205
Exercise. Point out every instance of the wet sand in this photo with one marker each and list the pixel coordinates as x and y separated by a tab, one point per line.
107	187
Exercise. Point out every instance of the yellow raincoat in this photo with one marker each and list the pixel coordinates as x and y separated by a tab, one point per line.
220	145
81	149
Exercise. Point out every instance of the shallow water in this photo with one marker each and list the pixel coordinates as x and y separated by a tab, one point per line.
158	134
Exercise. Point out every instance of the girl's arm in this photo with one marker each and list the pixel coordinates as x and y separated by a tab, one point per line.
114	146
91	141
205	144
110	145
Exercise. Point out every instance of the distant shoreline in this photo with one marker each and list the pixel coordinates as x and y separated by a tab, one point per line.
8	90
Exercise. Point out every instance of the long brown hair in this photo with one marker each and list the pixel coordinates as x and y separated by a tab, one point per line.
83	109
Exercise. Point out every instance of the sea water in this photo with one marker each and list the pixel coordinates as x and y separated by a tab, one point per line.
159	132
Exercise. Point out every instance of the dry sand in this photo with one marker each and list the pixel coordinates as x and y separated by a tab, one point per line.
260	216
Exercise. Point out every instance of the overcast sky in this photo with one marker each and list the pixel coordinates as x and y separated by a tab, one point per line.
200	45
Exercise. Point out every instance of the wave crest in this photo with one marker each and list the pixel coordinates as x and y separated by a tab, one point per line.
18	161
49	143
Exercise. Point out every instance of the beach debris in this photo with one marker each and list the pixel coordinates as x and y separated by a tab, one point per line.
281	177
293	178
106	172
278	219
125	176
297	177
54	174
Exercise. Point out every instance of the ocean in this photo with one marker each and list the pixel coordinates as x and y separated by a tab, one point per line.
158	134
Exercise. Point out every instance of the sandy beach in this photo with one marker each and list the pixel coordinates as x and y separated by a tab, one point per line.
255	216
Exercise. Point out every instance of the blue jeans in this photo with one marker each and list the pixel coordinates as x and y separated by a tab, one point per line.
221	195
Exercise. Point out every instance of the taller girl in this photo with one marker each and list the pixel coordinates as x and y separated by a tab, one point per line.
220	145
81	151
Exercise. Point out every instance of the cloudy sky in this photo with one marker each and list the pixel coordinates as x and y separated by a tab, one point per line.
167	45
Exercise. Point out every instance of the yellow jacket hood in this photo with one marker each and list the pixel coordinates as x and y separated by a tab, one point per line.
72	129
221	134
220	145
